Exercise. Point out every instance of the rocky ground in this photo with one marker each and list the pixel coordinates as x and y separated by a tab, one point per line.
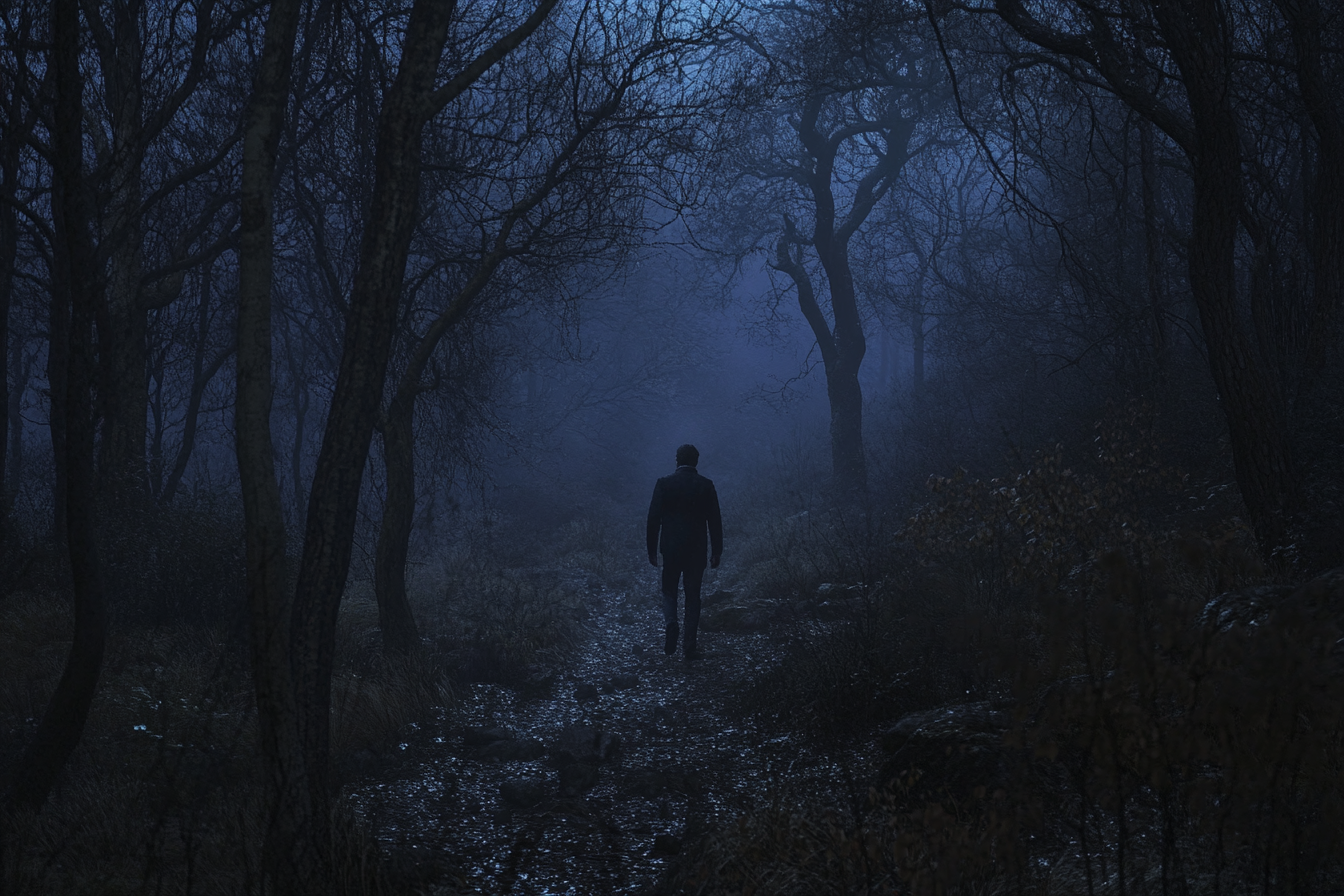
590	779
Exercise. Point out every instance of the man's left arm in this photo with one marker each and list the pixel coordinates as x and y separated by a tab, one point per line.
654	522
715	520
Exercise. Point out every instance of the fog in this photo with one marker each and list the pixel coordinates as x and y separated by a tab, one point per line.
671	448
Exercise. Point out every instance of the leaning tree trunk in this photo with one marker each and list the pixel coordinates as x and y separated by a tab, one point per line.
842	377
1261	448
1255	412
295	854
371	318
62	723
841	365
334	494
394	610
400	635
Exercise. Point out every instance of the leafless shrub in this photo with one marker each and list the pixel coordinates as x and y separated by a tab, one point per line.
1161	743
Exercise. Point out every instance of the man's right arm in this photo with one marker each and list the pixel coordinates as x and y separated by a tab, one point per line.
655	521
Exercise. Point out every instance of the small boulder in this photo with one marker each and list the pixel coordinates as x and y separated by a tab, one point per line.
578	777
654	783
737	618
514	749
717	598
979	724
953	751
666	845
1247	607
479	737
585	693
522	793
584	743
625	681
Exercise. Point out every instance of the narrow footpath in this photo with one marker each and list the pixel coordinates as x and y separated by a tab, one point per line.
591	789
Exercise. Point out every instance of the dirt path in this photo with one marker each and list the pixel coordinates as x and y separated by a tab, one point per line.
481	810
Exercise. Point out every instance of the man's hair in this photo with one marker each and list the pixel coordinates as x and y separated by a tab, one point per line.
687	456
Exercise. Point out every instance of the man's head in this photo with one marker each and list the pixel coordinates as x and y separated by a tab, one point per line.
687	456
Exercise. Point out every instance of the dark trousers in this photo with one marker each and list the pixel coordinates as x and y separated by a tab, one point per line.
691	574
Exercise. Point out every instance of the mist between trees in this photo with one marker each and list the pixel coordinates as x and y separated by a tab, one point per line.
340	337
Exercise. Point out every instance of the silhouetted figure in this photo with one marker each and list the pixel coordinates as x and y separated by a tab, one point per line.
685	510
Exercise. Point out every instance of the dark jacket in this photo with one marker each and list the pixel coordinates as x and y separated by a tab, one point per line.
684	508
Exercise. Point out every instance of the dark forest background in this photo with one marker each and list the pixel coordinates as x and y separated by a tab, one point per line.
1008	329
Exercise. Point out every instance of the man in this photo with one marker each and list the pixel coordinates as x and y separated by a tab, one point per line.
684	509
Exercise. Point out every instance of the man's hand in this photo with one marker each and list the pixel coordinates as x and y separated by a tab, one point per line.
714	562
653	559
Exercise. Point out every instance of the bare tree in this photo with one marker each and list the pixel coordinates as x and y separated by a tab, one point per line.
580	153
24	195
1222	62
294	655
18	119
75	292
293	853
414	98
157	142
847	91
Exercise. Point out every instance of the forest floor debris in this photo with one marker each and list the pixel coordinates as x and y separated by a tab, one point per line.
643	753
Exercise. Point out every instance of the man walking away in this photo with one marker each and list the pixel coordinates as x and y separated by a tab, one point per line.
684	523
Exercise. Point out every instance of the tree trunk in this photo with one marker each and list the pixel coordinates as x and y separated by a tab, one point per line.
848	469
18	385
917	334
159	360
201	375
1152	250
1253	398
58	374
1261	445
394	610
9	235
296	358
122	325
848	464
295	856
62	723
1321	89
334	495
842	340
400	635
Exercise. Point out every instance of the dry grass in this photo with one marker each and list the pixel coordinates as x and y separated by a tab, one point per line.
1156	748
164	792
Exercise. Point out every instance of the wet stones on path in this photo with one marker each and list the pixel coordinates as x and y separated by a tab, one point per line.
599	779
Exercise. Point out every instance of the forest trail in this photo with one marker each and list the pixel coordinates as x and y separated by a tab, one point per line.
480	810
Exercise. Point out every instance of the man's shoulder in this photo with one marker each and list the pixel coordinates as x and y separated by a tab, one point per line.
684	477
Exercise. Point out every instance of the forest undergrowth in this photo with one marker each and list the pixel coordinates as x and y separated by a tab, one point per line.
1083	676
164	793
1085	680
